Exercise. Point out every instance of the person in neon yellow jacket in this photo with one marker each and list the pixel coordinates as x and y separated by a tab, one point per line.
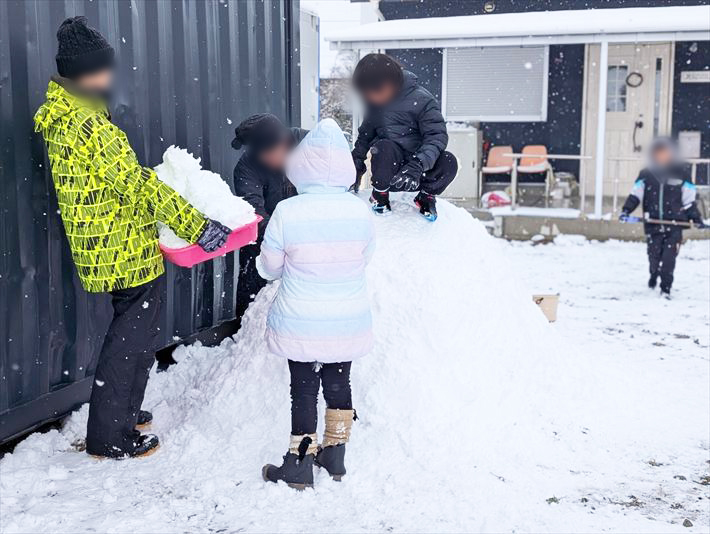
109	205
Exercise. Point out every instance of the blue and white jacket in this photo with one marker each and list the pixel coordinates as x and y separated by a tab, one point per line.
319	243
664	194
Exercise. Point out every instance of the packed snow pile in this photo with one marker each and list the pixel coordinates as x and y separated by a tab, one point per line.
205	190
475	415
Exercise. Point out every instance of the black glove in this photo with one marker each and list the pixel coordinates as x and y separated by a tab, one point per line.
624	217
360	167
409	176
213	236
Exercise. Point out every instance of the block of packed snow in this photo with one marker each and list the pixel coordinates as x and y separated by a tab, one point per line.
211	195
205	190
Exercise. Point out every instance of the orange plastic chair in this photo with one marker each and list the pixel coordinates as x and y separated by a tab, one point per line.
497	162
534	159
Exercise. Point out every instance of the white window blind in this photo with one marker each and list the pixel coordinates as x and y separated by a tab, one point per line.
496	84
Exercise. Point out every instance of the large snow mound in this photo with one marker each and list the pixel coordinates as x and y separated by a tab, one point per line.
473	412
205	190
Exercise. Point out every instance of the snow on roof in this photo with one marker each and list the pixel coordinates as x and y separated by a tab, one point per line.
588	25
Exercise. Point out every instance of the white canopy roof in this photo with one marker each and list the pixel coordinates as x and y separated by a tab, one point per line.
642	24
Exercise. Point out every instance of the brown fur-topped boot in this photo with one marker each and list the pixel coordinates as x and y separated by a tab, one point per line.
331	453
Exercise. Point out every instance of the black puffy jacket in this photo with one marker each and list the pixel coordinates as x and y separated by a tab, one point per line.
261	187
413	120
664	194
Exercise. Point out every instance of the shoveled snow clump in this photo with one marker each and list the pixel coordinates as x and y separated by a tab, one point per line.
205	190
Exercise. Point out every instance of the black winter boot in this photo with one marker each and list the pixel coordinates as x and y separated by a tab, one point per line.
331	454
144	445
427	205
380	201
297	468
145	418
332	459
652	281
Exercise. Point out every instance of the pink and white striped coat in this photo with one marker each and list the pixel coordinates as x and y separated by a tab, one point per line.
319	243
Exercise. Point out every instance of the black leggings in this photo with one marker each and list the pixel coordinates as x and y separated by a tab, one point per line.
305	383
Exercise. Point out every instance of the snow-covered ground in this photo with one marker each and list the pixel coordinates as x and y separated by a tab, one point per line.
475	413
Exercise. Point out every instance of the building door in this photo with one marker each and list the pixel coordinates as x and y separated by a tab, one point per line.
639	81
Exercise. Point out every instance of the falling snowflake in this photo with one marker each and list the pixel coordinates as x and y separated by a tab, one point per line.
100	383
145	304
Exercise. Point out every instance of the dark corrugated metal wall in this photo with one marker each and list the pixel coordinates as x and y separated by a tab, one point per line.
187	70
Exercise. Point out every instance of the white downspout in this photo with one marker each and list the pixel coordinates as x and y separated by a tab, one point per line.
601	130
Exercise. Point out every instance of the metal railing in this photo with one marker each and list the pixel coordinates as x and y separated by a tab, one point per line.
548	172
617	160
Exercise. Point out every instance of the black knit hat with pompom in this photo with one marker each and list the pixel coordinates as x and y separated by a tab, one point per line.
82	49
260	132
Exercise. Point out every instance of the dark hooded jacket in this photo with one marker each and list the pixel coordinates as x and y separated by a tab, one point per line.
664	194
413	120
261	187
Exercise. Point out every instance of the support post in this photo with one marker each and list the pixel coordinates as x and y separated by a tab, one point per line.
601	130
514	185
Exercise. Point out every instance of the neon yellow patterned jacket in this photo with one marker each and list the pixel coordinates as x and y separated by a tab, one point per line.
108	202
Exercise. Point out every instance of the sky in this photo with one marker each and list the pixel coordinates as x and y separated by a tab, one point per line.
335	15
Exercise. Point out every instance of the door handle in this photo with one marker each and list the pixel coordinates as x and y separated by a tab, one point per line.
637	126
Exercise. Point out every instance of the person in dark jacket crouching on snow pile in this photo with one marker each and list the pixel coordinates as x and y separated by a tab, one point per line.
109	205
406	133
665	194
260	179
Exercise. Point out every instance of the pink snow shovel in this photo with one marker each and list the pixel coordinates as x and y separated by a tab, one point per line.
193	254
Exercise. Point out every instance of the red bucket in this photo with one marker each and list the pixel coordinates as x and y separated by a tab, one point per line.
193	254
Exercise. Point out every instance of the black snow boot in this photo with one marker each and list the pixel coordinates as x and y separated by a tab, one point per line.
332	459
297	468
427	205
666	294
653	281
145	418
331	455
144	445
380	201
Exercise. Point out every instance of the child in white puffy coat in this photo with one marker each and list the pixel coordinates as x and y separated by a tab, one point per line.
318	243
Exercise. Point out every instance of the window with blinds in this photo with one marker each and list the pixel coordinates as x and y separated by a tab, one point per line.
495	84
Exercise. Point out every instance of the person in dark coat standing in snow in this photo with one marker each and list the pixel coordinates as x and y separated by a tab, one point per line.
405	131
260	179
665	193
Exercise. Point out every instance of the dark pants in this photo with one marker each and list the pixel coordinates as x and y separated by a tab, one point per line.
249	282
663	247
305	383
388	157
122	371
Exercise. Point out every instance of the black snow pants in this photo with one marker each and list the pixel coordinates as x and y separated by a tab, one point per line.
249	282
122	371
305	384
663	246
388	157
